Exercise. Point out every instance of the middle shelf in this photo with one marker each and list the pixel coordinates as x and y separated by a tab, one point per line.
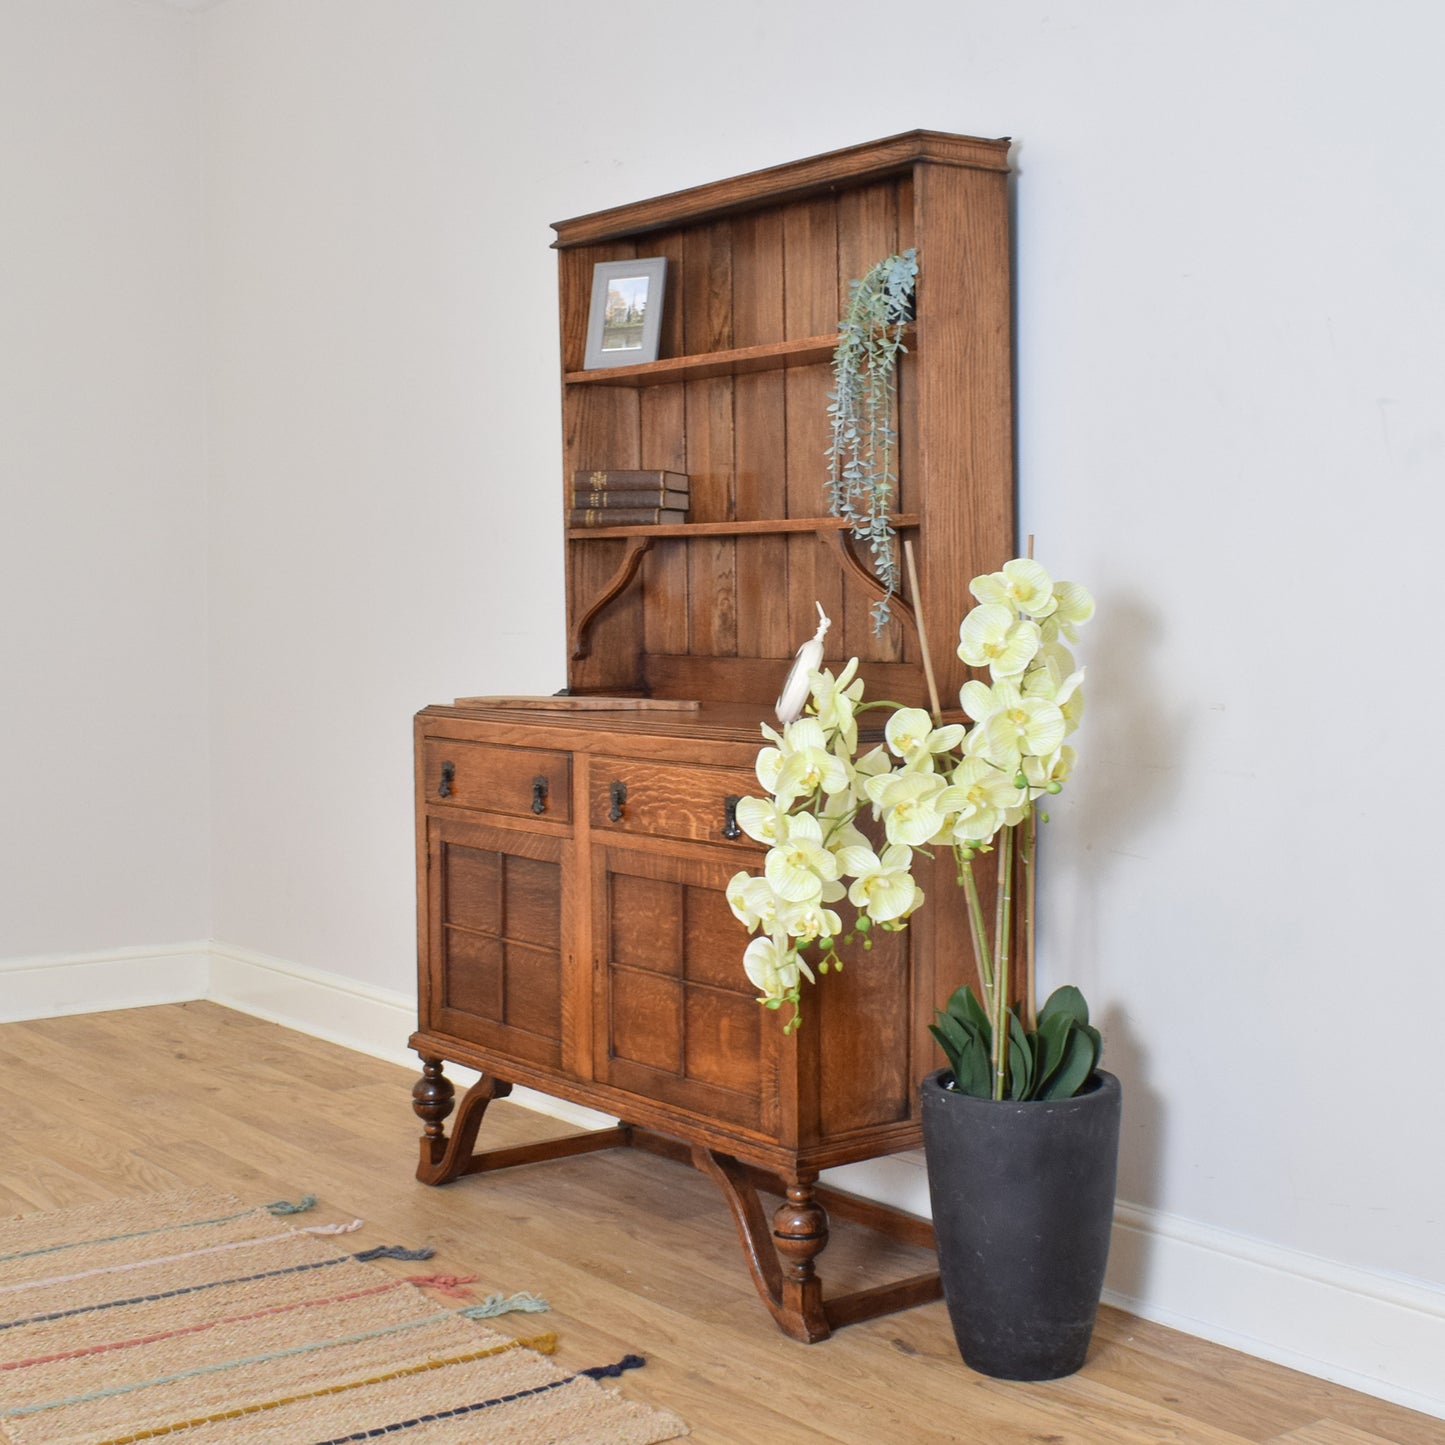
736	361
774	527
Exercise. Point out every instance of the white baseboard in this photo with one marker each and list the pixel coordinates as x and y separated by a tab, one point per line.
83	983
1373	1333
375	1021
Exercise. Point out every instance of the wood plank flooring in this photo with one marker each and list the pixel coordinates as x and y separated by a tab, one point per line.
635	1253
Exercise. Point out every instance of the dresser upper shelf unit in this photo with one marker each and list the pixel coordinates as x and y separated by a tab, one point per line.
759	272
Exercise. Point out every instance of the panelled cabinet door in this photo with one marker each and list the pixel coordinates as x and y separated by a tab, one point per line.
496	958
676	1018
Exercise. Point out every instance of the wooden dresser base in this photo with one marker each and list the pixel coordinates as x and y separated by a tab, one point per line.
781	1256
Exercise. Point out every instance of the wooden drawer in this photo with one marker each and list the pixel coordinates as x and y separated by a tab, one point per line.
518	782
668	800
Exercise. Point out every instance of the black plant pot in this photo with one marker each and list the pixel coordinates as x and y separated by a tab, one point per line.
1023	1202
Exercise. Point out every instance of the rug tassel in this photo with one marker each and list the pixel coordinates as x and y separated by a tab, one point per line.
282	1206
497	1304
394	1251
627	1362
450	1285
333	1228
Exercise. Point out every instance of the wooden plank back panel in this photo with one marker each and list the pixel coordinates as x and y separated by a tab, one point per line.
758	680
602	422
867	232
760	439
663	421
810	250
707	286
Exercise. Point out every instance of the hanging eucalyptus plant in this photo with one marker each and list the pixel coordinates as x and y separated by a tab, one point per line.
861	459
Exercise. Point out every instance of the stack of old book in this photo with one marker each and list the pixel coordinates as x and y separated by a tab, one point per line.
627	499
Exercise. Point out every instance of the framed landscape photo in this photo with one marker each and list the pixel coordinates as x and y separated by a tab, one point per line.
624	324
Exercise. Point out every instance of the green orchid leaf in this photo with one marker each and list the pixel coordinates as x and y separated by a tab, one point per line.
955	1037
1053	1044
974	1076
1020	1059
944	1043
1066	1000
964	1004
1077	1066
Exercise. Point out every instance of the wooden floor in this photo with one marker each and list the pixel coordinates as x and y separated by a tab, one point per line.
635	1253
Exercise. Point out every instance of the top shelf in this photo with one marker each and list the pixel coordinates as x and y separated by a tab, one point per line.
769	357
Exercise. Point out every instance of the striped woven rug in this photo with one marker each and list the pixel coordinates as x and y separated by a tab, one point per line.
196	1319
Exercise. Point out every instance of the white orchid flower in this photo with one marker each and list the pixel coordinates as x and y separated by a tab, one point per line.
1048	775
1051	672
873	763
1023	585
771	966
798	867
807	921
1072	708
995	637
801	764
753	902
883	888
834	699
912	737
977	800
1074	607
836	816
1031	726
1054	678
762	820
980	701
908	805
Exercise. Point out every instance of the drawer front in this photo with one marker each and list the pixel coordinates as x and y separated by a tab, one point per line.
519	782
669	800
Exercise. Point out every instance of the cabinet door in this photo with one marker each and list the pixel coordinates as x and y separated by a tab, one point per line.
677	1021
497	962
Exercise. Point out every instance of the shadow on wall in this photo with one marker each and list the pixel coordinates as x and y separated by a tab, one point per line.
1130	778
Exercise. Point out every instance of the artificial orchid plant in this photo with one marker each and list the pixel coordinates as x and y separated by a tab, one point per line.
931	786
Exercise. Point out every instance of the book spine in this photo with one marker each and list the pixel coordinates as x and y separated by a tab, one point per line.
610	481
623	516
631	497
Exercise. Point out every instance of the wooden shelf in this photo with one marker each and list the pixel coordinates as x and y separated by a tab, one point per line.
772	528
772	356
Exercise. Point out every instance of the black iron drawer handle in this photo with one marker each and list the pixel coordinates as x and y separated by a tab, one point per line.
618	794
730	818
449	775
539	795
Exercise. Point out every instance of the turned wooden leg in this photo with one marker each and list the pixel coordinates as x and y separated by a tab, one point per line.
800	1232
780	1259
432	1099
443	1159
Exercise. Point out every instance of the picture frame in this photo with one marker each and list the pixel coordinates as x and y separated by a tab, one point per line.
624	322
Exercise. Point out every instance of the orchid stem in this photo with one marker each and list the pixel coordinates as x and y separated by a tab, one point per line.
1027	849
1002	929
980	934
